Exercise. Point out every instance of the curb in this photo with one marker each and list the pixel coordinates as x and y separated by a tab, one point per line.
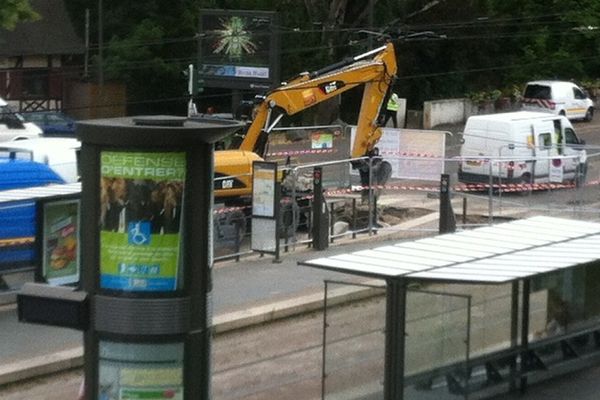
42	365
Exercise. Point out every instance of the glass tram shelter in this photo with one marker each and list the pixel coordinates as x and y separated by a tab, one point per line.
467	314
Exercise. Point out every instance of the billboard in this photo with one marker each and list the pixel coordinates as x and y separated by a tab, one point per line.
238	49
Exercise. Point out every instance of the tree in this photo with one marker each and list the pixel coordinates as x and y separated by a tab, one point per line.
490	44
15	11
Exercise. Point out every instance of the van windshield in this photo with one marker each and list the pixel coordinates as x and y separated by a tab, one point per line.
11	119
538	92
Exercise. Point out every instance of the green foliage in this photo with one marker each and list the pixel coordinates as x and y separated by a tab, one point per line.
490	44
15	11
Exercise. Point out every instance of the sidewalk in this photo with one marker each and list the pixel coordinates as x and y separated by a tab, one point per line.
252	291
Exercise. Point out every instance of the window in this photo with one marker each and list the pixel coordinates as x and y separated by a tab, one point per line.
570	137
11	119
56	119
538	92
35	118
578	93
545	141
558	134
35	83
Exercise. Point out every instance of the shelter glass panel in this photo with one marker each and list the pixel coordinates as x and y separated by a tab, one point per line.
437	345
571	301
569	319
353	342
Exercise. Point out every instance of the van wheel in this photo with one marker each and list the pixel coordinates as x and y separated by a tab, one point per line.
526	181
589	115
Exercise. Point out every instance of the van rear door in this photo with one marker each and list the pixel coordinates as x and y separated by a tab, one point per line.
578	103
571	147
544	149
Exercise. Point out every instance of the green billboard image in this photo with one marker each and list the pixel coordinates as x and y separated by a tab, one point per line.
141	196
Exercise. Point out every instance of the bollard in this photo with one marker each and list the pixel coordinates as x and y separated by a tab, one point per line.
320	214
447	219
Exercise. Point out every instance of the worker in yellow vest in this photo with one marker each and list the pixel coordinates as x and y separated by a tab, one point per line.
391	111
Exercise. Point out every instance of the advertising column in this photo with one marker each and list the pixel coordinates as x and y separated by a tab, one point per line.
141	198
146	256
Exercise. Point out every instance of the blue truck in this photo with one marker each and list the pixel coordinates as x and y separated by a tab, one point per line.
18	219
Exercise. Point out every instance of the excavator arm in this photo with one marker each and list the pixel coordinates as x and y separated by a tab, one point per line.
375	69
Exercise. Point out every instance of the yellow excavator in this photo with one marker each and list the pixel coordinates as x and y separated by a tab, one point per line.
376	70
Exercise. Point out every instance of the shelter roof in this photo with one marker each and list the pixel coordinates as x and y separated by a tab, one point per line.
494	254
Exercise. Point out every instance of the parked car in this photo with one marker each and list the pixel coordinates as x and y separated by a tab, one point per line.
52	123
13	126
557	97
60	154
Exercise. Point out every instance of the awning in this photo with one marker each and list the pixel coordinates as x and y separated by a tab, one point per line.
492	254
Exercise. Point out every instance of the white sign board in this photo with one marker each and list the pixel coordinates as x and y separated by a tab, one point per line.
412	153
263	189
556	171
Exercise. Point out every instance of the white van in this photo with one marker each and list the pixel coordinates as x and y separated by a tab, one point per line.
521	147
14	127
557	97
60	154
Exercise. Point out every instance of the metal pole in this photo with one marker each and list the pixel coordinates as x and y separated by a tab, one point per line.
371	24
354	218
197	382
468	349
294	217
87	43
514	332
90	193
370	196
491	194
324	363
100	47
525	335
277	222
331	216
393	380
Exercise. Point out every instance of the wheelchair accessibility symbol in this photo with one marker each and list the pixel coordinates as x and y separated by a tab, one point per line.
138	233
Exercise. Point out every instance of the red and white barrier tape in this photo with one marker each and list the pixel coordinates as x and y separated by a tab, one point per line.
471	187
408	154
474	187
302	152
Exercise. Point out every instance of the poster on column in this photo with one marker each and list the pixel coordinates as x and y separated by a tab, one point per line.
133	371
141	198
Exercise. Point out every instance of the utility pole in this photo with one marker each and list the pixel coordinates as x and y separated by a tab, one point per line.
371	22
87	43
100	46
